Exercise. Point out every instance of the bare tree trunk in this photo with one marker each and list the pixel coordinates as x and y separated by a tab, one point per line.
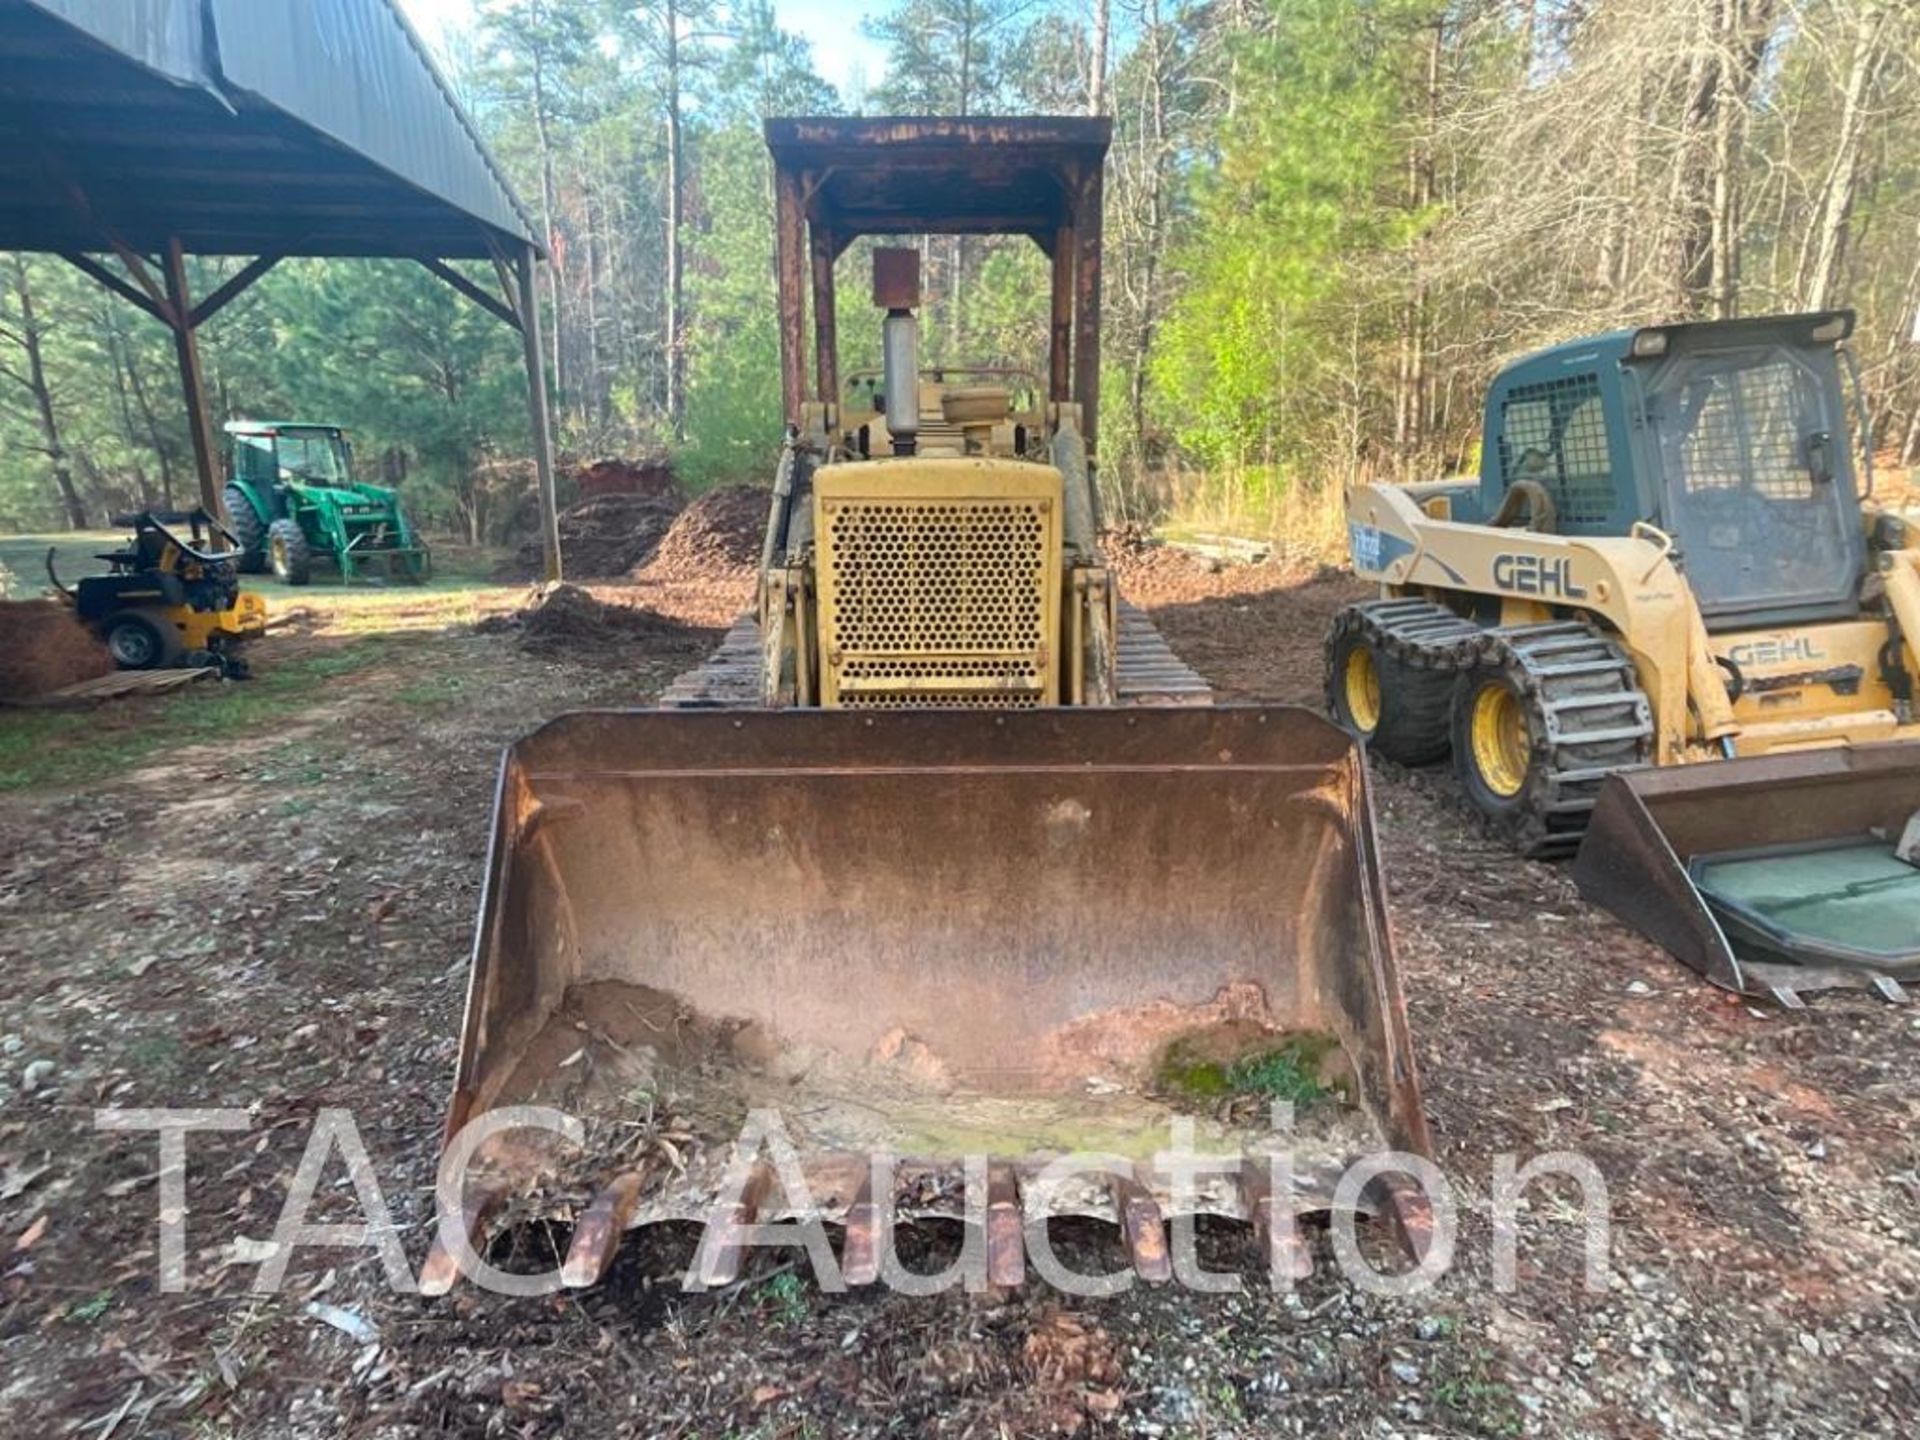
1153	237
121	363
676	250
31	341
1097	66
1410	410
1822	286
156	435
549	218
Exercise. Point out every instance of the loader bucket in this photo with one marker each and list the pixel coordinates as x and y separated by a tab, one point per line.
968	940
1772	875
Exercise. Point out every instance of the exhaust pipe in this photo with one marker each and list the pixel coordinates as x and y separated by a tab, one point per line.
896	289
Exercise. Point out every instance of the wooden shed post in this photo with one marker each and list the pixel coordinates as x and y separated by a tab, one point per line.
826	342
1086	283
529	299
790	268
186	347
1060	348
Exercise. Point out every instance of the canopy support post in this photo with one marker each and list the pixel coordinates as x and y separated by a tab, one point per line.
528	302
1087	227
1060	346
520	311
790	264
826	342
171	303
186	345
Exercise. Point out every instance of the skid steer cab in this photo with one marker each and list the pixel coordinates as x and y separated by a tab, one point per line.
171	595
1671	561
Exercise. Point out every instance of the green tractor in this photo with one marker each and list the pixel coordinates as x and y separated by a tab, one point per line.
293	502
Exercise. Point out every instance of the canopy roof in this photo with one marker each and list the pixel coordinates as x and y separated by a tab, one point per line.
940	175
240	127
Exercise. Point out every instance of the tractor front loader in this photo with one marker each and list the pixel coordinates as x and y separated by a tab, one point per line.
1668	628
944	857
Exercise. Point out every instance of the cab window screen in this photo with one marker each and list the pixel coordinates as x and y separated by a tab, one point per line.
1555	434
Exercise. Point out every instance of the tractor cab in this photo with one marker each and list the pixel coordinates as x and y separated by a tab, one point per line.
1729	436
274	454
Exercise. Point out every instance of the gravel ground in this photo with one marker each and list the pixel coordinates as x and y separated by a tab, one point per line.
275	915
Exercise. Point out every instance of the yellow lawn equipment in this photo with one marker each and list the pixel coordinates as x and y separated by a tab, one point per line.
171	596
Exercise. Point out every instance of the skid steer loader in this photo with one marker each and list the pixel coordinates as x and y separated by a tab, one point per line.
944	857
1668	627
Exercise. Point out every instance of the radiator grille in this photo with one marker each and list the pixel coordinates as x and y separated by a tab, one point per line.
938	601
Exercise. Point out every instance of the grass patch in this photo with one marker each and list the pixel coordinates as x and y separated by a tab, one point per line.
78	747
1474	1397
786	1296
1295	1070
92	1308
436	689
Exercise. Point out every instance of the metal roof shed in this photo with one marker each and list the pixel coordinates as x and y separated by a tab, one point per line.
154	129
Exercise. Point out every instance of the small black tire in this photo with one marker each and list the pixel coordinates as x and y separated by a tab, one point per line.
1409	705
249	529
287	549
142	640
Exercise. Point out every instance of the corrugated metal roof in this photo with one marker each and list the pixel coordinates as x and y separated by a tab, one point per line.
316	127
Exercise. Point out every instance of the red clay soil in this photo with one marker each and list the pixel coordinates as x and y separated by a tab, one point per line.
627	477
44	648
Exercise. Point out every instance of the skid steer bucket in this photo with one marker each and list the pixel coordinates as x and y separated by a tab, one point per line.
1772	875
969	941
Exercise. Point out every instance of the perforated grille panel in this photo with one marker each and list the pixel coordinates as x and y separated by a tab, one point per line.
939	599
1555	433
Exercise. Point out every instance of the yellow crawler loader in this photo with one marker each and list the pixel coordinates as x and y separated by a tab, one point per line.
1669	628
944	856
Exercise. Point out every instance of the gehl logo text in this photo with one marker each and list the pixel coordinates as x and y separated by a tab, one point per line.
1785	650
1537	575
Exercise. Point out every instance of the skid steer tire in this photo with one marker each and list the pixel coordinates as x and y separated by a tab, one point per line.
249	530
1540	720
292	560
142	640
1385	687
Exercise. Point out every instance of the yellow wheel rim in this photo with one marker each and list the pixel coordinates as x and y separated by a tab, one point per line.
1360	682
1500	743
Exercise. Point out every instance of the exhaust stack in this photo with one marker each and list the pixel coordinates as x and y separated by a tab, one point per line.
896	289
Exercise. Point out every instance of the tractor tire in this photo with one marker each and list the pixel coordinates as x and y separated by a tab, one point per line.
142	640
1540	720
249	529
1388	684
291	557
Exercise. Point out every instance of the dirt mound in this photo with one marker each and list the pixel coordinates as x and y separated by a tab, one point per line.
604	537
566	620
43	648
721	531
